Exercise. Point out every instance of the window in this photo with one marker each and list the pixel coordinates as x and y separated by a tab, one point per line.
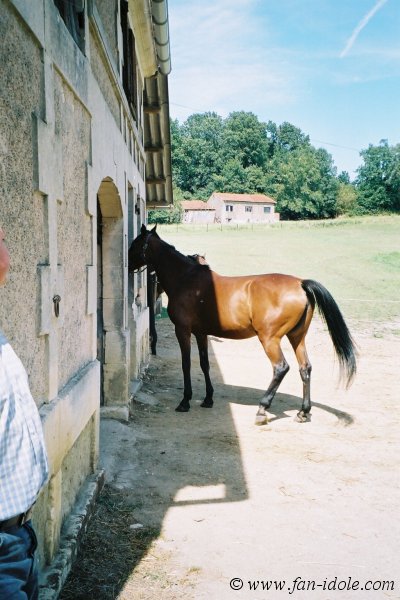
129	78
248	209
73	14
267	209
229	208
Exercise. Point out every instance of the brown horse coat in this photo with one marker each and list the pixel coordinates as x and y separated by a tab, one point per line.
269	306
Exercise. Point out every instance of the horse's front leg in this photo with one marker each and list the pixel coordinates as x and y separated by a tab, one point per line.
183	336
202	344
153	331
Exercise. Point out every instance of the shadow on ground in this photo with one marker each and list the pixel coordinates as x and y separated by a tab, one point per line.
160	460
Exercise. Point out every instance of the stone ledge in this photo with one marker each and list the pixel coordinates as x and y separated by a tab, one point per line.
52	578
117	412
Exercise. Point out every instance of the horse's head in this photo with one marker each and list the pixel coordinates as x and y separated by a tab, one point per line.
138	254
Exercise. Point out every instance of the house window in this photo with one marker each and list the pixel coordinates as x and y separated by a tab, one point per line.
229	208
248	209
267	209
73	15
129	77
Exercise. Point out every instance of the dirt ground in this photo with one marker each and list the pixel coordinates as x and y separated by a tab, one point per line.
204	505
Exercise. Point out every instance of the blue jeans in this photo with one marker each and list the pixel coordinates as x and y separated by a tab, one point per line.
18	567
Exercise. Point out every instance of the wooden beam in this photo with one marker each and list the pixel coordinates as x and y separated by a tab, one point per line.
151	108
157	148
155	180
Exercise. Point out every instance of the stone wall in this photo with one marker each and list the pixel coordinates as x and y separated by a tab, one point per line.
67	140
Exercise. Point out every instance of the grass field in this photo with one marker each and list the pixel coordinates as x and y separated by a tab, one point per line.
357	259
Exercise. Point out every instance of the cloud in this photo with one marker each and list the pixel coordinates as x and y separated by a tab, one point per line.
364	21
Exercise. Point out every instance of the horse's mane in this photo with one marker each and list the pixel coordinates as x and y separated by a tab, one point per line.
189	258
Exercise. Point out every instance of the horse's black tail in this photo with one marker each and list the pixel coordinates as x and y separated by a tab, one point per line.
338	330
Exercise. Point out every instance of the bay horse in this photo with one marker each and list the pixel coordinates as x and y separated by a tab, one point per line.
202	302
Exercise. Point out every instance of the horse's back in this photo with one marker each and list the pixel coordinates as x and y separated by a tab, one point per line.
272	286
247	304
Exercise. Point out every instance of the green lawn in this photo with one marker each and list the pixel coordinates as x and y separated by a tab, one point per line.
357	259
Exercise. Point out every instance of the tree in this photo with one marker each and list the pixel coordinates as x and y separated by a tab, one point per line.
304	184
245	139
378	180
344	177
255	180
241	154
232	177
346	199
239	180
168	215
285	138
196	153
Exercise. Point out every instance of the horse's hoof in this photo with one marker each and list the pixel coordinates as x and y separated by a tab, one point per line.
301	417
207	403
261	420
182	408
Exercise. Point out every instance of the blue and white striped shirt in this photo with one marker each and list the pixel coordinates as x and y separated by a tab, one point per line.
23	457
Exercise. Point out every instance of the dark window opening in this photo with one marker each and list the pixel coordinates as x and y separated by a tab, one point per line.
73	14
129	75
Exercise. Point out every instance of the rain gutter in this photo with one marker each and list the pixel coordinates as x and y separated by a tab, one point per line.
141	16
161	35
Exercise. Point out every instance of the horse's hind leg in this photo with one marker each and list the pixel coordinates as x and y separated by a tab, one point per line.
202	344
299	347
280	367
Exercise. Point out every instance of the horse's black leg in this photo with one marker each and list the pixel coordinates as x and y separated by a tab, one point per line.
183	336
305	374
298	343
280	368
151	300
153	331
202	344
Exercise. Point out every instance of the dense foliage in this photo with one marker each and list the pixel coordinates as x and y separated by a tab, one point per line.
244	155
378	181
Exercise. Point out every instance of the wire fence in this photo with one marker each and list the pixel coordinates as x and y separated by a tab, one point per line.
206	227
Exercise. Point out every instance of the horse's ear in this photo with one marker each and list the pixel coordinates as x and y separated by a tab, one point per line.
154	228
143	229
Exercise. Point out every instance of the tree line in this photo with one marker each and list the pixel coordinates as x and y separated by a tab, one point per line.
241	154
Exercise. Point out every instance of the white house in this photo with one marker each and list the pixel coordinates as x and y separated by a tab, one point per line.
197	211
243	208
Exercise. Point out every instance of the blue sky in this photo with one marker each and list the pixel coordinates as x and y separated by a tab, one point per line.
330	67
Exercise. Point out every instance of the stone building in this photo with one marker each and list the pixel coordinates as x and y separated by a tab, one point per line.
243	208
84	147
197	211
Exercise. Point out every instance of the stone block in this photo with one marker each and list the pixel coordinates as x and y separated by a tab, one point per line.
117	347
113	313
115	384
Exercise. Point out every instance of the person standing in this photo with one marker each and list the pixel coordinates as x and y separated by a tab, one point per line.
23	469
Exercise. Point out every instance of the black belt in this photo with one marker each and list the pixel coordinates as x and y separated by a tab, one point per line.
17	521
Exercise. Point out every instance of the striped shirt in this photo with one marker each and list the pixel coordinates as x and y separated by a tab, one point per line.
23	458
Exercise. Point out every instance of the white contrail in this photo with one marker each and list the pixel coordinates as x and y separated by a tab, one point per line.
361	26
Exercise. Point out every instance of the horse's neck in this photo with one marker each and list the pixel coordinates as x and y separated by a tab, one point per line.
169	265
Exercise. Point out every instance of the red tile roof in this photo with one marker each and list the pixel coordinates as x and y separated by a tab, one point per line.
248	198
195	205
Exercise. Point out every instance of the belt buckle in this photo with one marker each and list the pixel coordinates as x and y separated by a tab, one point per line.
21	519
24	517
